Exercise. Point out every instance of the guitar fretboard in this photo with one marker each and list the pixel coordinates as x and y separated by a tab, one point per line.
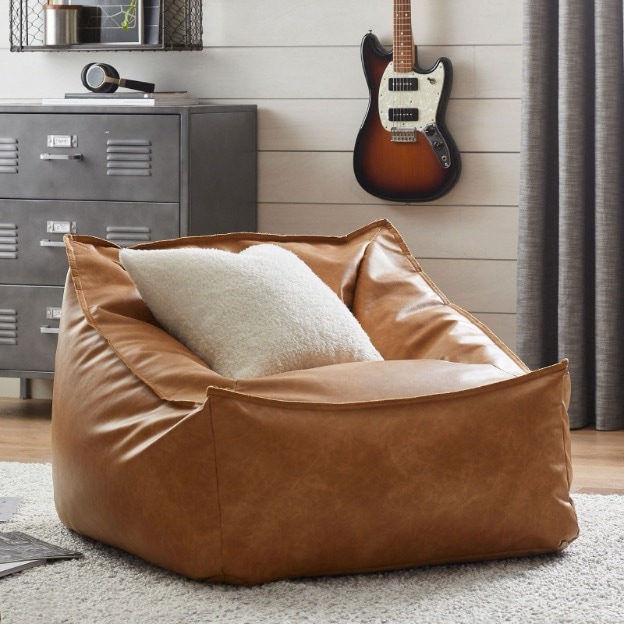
403	47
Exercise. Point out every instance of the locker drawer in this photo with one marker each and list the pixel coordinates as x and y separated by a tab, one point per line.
31	233
90	156
29	320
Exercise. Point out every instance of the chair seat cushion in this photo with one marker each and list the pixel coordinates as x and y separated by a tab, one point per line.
372	381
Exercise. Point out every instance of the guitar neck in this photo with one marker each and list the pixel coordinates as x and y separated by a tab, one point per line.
403	47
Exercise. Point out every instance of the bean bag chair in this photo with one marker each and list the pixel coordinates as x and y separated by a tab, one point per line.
401	433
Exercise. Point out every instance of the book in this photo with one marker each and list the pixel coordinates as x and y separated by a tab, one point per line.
132	95
126	101
18	566
19	551
123	98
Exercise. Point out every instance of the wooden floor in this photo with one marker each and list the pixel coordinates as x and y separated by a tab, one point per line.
597	456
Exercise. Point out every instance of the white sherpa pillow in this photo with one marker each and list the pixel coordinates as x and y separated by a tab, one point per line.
258	312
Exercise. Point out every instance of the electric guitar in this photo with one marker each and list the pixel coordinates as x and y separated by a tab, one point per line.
403	151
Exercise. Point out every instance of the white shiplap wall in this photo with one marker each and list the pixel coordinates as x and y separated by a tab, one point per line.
299	62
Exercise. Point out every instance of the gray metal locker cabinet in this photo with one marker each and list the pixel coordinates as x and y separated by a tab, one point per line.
128	174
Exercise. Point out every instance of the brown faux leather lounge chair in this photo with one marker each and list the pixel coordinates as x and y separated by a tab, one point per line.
449	450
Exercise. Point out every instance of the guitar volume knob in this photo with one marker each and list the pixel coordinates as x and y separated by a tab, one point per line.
430	130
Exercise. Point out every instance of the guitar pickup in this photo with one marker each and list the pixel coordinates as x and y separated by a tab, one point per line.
403	84
403	114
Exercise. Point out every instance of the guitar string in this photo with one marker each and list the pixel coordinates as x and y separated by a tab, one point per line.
403	65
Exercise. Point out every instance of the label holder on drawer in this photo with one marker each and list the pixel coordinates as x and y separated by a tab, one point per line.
61	227
62	140
58	227
53	313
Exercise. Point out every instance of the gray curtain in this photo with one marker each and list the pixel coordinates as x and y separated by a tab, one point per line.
571	235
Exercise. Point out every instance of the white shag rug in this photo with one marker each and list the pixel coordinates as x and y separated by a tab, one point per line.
583	584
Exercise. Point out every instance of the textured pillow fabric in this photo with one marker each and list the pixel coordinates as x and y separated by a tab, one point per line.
254	313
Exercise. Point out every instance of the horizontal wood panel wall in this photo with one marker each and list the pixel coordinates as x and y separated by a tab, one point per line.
299	61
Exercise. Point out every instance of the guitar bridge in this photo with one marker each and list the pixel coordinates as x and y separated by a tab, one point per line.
403	135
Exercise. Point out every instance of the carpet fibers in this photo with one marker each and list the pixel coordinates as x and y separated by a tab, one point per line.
584	584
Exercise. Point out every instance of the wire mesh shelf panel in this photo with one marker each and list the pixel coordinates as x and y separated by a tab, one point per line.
179	27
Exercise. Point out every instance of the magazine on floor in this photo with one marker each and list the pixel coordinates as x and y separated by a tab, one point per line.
18	566
19	551
8	506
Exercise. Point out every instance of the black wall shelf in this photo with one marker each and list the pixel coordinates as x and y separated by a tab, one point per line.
179	27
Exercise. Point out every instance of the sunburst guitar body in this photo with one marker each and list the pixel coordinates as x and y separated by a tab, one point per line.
403	151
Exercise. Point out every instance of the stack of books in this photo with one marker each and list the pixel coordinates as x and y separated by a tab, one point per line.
130	98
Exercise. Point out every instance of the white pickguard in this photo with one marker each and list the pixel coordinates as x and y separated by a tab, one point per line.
426	98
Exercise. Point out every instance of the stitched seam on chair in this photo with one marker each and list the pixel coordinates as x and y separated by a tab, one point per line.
529	377
565	432
565	428
216	469
563	450
76	278
492	336
362	260
385	226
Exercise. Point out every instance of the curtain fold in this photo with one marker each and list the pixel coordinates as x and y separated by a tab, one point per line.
571	230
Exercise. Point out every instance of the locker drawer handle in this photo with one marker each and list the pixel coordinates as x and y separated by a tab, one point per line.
47	156
48	243
46	329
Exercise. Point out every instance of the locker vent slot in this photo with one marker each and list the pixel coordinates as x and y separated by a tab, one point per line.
129	157
124	236
8	327
9	159
8	241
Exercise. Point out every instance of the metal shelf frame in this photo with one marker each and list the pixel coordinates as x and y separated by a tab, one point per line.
180	29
